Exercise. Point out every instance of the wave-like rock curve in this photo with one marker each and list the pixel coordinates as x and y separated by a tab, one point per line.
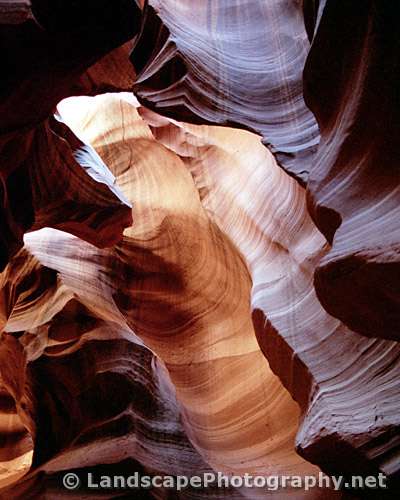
351	85
233	63
246	269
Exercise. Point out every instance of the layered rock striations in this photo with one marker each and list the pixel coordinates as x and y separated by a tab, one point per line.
245	322
49	54
232	63
187	297
351	85
318	359
199	302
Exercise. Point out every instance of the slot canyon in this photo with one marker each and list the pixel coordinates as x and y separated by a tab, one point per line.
199	246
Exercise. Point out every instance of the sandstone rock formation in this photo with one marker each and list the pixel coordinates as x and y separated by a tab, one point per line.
243	66
49	56
230	63
351	85
220	330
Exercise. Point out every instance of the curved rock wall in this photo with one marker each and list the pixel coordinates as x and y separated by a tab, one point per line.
198	302
351	85
221	330
230	62
53	54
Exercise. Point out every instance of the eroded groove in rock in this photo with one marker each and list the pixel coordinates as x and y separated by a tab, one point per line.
177	174
282	260
60	182
199	286
351	85
57	378
144	357
237	63
349	421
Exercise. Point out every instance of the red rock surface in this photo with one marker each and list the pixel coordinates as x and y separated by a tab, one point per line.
351	85
178	298
48	57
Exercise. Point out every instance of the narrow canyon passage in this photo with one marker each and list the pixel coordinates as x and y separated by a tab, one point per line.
177	261
199	249
211	248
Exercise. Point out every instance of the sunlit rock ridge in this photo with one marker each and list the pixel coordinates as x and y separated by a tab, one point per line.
200	243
